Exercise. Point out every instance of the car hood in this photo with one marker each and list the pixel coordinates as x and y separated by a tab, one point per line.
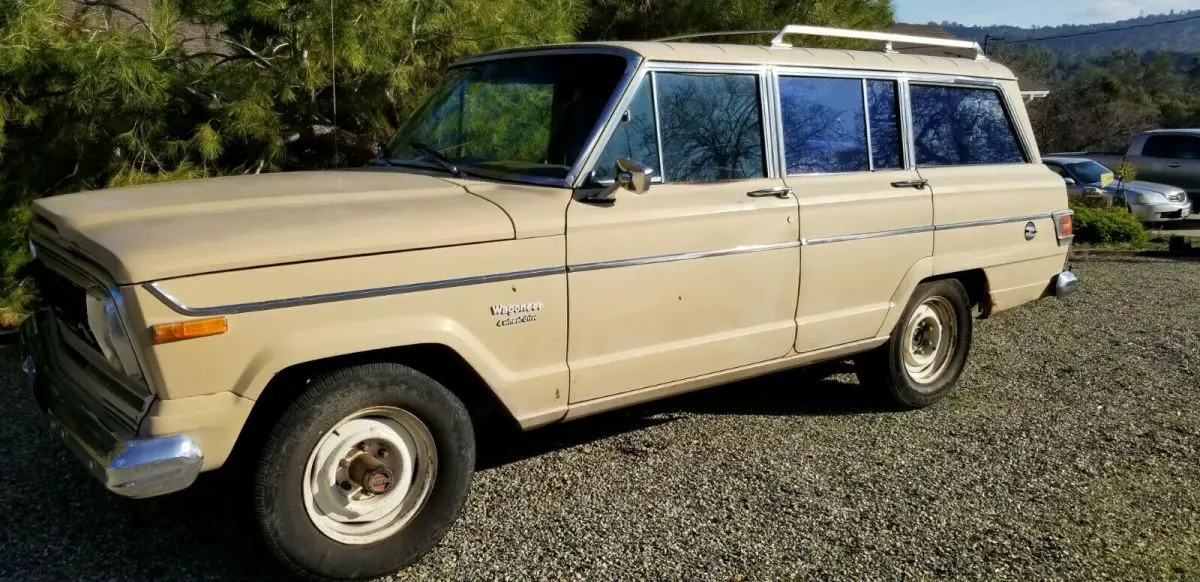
1140	187
159	231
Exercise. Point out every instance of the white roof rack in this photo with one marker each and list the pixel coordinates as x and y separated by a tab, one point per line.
885	37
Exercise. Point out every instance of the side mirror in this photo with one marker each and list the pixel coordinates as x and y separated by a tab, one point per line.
1069	181
633	176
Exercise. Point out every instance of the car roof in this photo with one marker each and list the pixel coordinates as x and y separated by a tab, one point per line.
730	54
1056	160
1174	132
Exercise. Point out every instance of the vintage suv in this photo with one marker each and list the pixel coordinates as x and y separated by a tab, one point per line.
556	232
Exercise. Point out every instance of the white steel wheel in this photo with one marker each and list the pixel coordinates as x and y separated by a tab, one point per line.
929	340
369	475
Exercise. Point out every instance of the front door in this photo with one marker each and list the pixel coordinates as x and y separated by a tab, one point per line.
699	274
865	215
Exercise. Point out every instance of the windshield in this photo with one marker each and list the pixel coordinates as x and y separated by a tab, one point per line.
523	117
1087	172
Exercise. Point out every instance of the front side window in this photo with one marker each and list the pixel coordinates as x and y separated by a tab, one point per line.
635	137
957	126
711	127
524	116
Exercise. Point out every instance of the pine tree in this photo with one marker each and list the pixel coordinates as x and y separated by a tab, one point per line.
95	95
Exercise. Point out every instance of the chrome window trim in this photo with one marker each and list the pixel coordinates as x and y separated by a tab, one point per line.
633	62
865	76
662	166
625	98
647	69
866	103
907	133
764	128
971	83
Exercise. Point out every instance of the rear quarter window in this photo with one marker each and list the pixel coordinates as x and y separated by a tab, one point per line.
962	126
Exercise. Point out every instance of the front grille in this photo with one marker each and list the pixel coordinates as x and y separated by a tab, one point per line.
66	299
1176	196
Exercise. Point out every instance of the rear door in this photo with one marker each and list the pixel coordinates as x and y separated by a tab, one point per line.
865	213
1171	159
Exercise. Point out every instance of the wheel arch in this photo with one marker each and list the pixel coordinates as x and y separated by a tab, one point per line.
445	365
974	280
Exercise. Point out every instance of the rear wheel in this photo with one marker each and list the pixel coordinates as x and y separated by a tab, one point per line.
364	473
927	350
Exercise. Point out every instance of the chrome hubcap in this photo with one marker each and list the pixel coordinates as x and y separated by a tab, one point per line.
929	339
369	475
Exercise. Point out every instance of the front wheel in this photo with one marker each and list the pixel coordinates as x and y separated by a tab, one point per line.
927	350
364	473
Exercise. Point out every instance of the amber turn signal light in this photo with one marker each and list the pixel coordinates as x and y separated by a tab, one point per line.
181	330
1066	226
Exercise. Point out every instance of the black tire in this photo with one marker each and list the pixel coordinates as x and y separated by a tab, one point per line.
883	369
279	496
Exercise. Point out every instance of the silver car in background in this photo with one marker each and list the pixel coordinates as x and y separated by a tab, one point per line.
1149	201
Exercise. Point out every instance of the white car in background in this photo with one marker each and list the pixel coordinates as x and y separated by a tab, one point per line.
1149	201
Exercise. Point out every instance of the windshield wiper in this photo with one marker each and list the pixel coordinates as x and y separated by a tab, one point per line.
437	156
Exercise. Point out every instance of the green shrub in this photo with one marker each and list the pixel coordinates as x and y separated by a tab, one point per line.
1107	226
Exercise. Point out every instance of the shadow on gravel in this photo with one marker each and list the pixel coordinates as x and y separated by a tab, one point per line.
60	525
805	391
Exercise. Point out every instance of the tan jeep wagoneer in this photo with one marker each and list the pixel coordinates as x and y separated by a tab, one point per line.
558	231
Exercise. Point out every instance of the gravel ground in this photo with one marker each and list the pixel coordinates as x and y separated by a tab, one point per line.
1069	452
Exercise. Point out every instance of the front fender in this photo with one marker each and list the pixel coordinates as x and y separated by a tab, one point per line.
523	362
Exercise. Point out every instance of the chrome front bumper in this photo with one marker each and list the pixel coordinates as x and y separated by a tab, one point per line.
1065	283
124	464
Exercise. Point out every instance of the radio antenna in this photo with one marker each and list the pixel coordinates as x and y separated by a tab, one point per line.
333	57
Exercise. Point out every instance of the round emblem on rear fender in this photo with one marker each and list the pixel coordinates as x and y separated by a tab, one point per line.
1030	230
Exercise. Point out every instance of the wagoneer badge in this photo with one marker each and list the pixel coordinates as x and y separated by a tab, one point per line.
515	314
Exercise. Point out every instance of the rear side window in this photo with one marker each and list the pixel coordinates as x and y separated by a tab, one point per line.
1177	147
711	127
834	125
824	125
959	126
884	106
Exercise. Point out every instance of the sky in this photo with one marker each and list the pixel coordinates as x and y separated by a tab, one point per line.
1033	12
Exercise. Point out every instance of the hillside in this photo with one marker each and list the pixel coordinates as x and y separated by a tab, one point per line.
1157	33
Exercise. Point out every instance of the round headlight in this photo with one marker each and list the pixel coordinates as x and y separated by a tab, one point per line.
104	321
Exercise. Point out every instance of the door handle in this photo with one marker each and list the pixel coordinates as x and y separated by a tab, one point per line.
918	184
1173	165
777	191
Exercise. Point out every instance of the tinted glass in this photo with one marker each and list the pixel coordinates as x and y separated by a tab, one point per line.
711	127
962	126
524	116
634	138
1087	172
1172	147
886	151
824	125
